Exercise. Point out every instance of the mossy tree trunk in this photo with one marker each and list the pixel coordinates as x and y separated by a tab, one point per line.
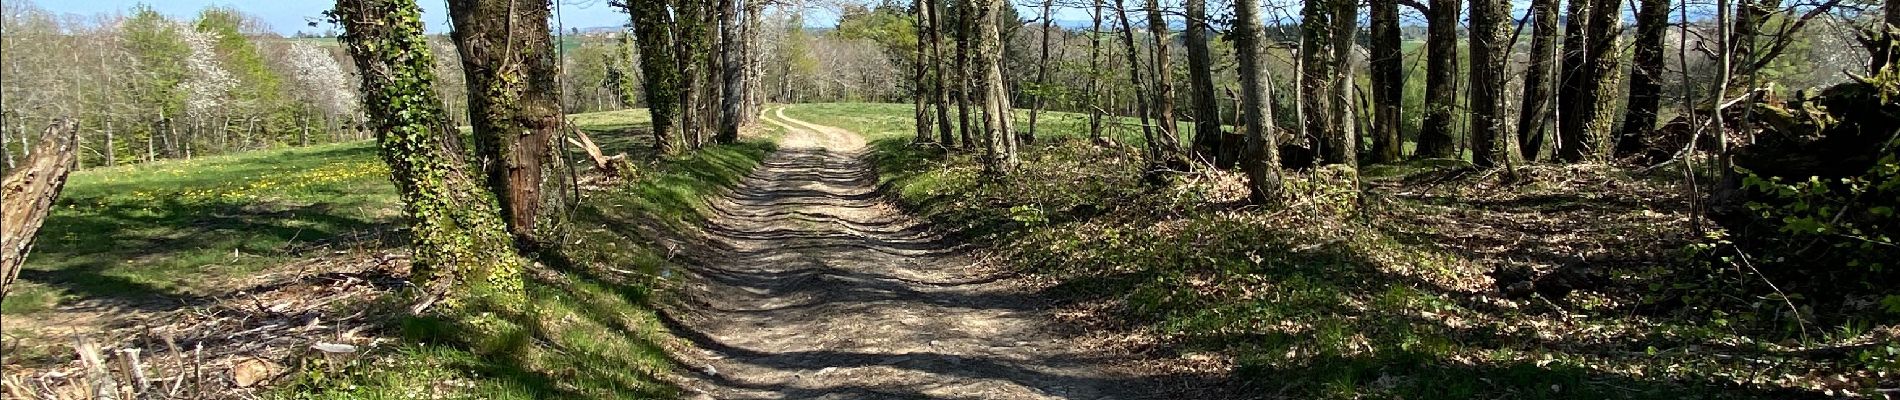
659	74
1532	118
1325	30
514	101
966	78
1262	160
1388	81
732	67
1441	80
1491	146
1646	73
462	250
1589	65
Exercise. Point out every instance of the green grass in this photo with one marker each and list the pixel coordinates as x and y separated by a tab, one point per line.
153	235
172	230
589	330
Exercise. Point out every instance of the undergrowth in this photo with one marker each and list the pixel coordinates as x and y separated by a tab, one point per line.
1340	297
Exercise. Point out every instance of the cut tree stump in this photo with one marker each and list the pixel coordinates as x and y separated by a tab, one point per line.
27	194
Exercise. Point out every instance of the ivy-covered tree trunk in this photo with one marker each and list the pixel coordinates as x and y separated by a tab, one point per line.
1538	88
1207	123
1491	146
1324	34
689	44
659	73
1646	73
462	250
732	66
1441	80
1388	81
514	101
1261	156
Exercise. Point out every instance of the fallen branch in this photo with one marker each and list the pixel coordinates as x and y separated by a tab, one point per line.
27	193
615	165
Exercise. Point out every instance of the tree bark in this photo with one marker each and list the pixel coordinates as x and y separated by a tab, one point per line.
1388	82
1167	142
27	194
1095	72
1323	69
1441	80
1538	88
732	65
1042	70
1491	146
1134	78
939	61
1647	63
965	77
996	109
1207	121
1261	158
1589	64
463	252
920	91
507	57
659	72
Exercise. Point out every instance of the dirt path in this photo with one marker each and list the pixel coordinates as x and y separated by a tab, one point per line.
812	287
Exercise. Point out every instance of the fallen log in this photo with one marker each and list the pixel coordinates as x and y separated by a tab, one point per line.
27	193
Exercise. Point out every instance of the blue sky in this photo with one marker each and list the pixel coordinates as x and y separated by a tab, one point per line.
290	16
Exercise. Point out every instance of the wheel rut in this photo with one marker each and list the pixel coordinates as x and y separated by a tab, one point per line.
809	286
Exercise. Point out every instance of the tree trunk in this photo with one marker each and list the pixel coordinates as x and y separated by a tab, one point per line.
1538	87
939	89
1095	72
920	66
1324	96
1388	82
1645	93
732	83
965	77
1261	156
1207	121
1441	81
27	194
1042	69
1134	78
1491	146
1167	143
659	73
1589	63
463	252
996	110
112	147
1343	144
508	62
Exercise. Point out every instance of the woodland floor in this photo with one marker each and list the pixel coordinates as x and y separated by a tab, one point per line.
813	287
